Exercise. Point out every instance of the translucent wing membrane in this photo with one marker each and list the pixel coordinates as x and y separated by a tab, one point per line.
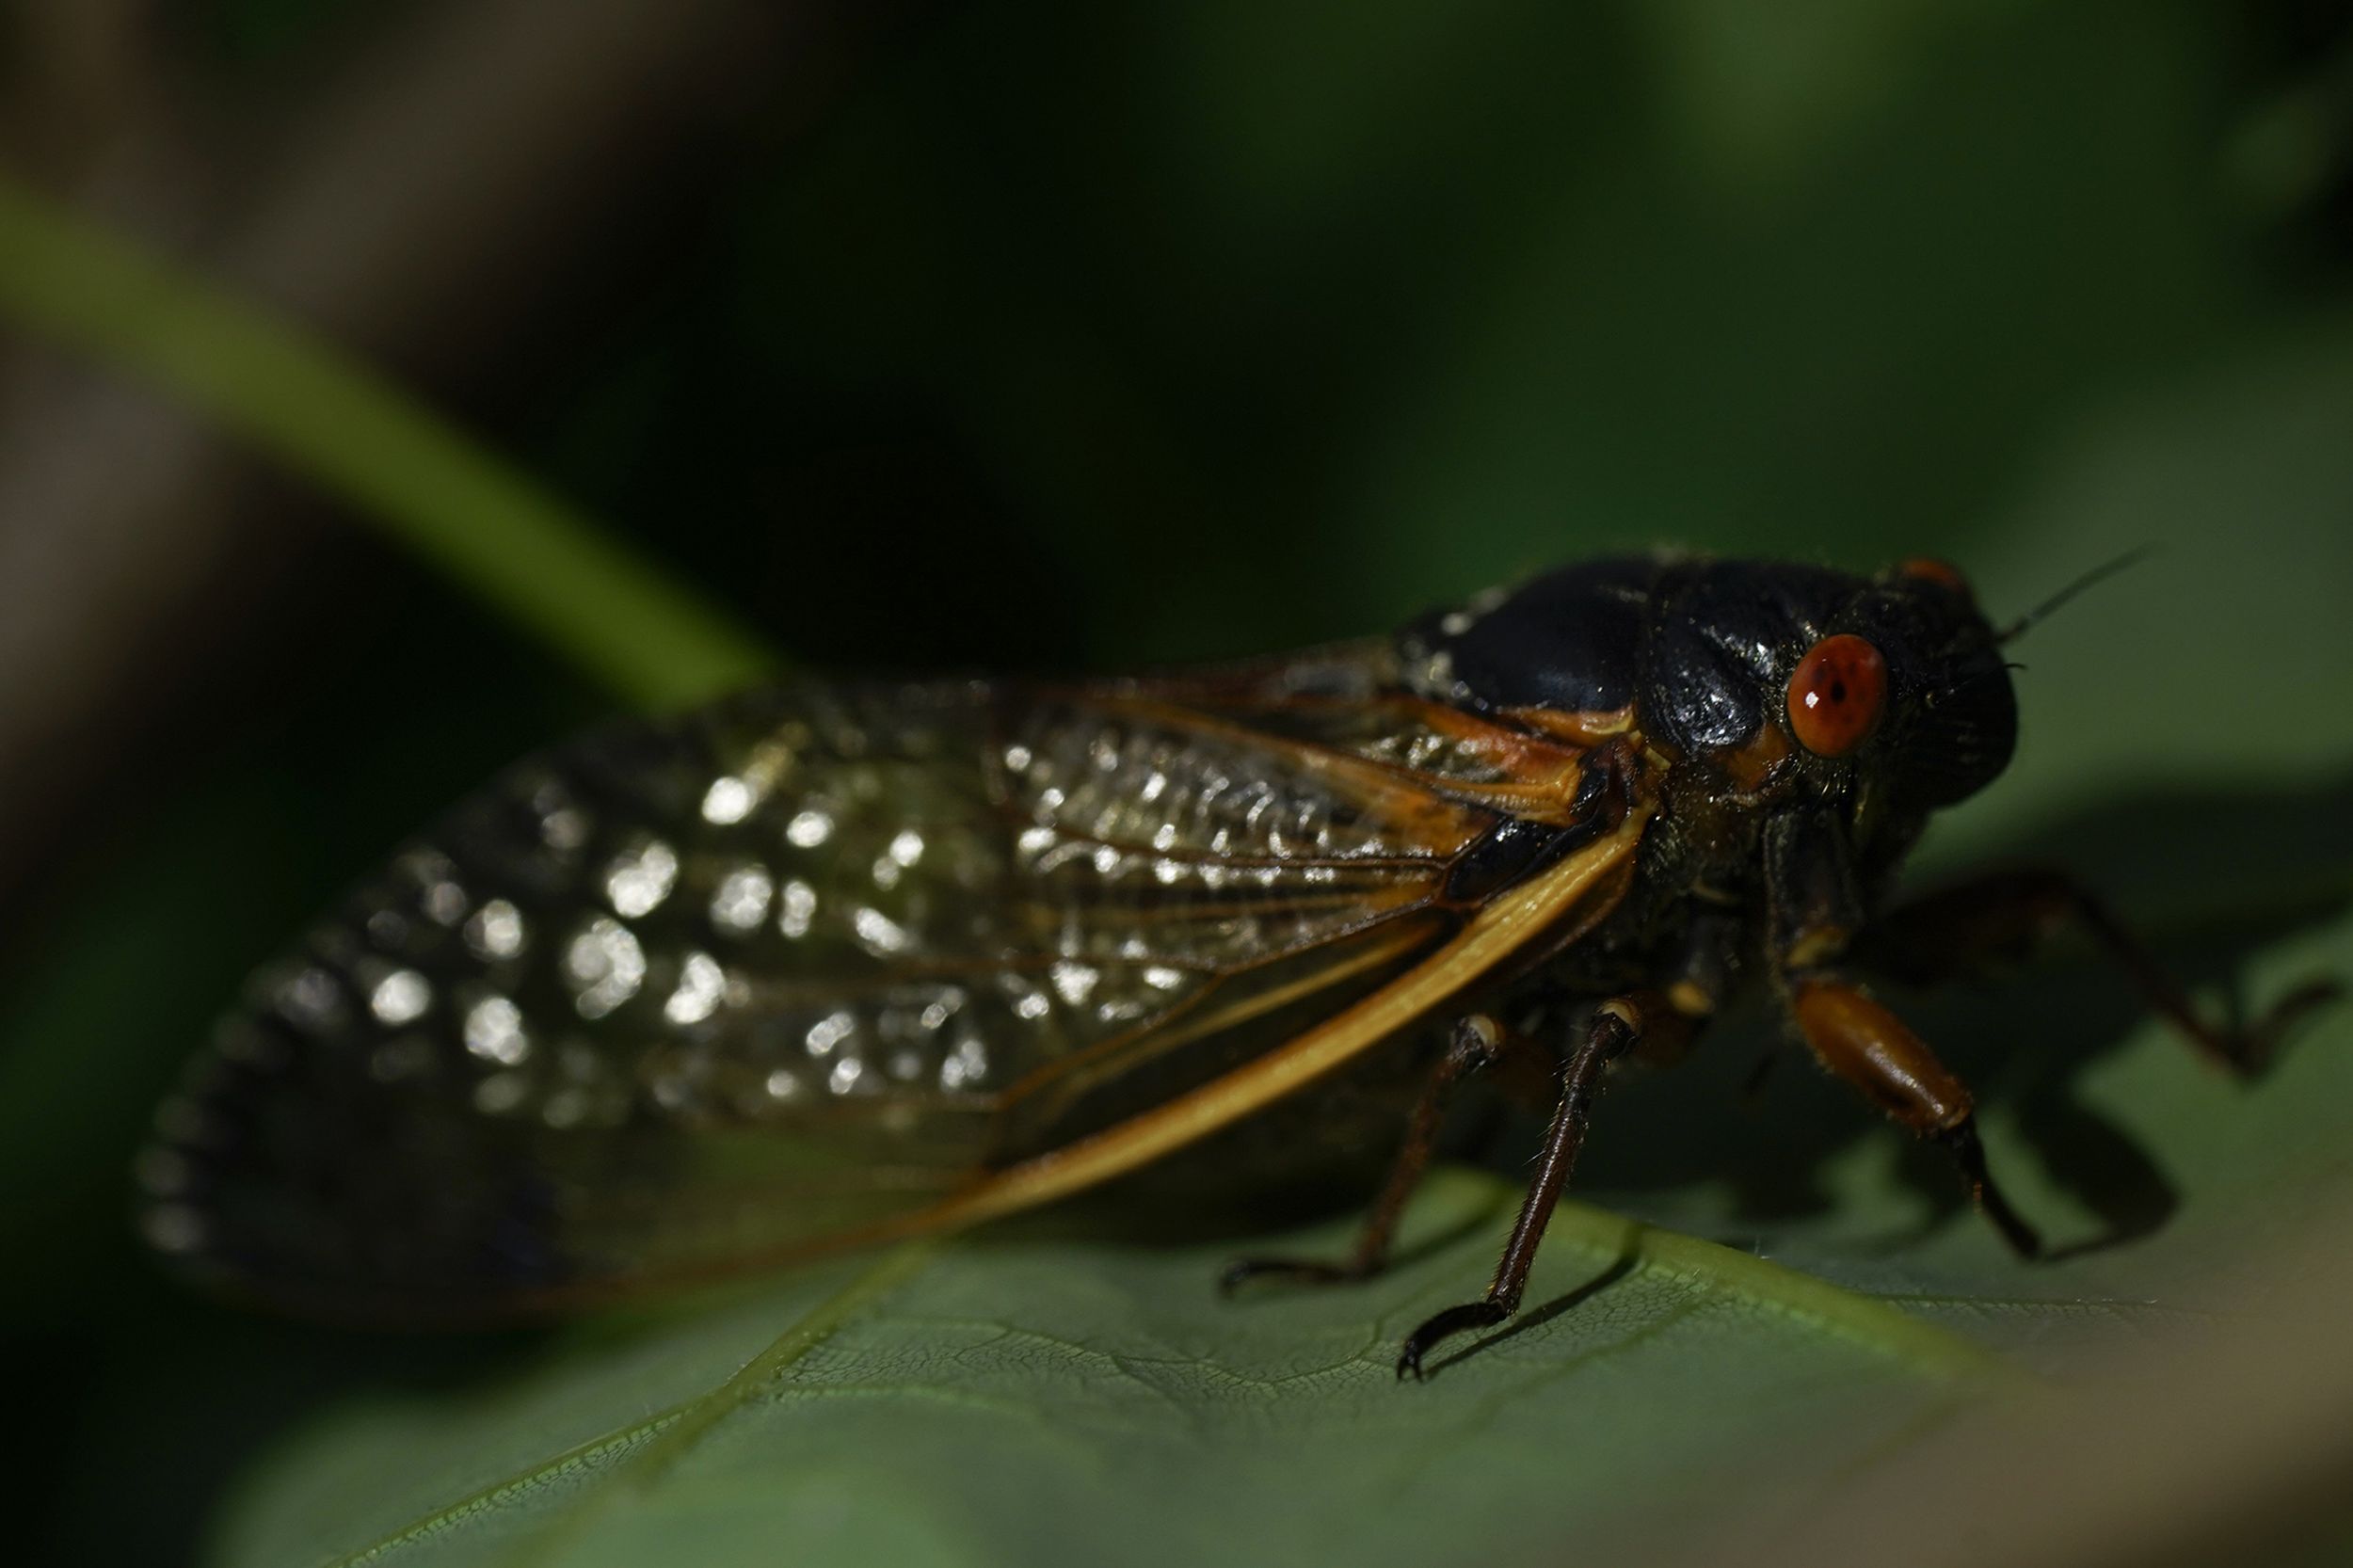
705	989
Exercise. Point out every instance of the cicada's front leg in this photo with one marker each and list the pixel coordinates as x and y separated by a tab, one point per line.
1479	1042
1959	928
1863	1043
1815	912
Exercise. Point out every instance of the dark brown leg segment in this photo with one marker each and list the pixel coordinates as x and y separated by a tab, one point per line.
1479	1042
1616	1025
1860	1041
2005	915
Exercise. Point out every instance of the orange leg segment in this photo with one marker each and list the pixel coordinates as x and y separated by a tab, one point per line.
1863	1043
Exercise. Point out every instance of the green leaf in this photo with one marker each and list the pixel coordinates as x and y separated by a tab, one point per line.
1750	1312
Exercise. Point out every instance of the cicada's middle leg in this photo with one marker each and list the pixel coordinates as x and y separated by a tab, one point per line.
1479	1042
1617	1026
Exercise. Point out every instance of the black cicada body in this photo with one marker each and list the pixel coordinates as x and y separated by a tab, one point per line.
835	962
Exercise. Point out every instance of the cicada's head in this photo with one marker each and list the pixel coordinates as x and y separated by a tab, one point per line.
1891	686
1767	676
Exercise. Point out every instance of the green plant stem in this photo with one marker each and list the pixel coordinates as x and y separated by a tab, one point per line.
521	551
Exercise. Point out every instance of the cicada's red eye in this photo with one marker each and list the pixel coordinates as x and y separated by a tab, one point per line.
1837	694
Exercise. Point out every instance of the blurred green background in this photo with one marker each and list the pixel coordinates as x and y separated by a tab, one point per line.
1054	337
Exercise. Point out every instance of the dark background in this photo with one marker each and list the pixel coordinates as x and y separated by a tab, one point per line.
1031	336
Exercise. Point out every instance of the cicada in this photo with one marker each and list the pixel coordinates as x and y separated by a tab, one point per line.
836	962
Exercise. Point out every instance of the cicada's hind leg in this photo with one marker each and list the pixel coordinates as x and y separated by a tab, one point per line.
1479	1042
2004	915
1867	1046
1617	1026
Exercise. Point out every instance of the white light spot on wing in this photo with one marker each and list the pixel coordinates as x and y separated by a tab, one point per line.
1032	1004
782	1085
739	903
845	1075
700	984
400	998
563	827
800	907
563	831
809	829
964	1067
312	999
605	962
829	1032
906	846
730	799
879	932
494	1032
495	932
1074	983
1161	978
445	903
638	882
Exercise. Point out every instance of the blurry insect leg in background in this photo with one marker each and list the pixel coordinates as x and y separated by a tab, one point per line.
1958	930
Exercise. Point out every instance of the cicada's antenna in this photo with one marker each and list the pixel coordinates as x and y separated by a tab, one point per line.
2098	574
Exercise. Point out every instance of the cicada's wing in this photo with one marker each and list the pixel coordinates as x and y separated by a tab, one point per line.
702	990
